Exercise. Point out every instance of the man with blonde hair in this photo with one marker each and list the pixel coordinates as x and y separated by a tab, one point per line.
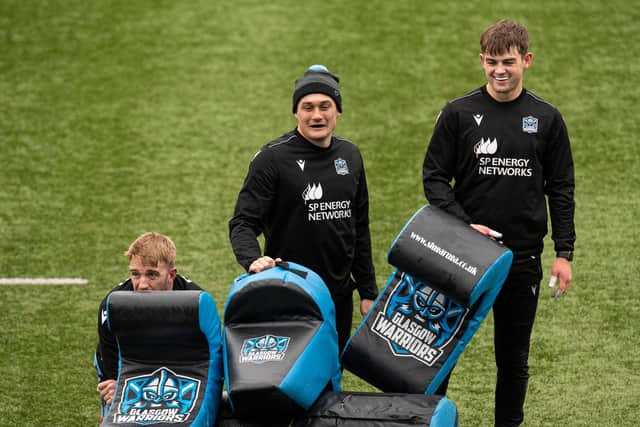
152	259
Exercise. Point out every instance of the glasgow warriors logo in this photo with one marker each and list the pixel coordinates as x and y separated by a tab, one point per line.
267	348
417	321
161	397
341	166
530	124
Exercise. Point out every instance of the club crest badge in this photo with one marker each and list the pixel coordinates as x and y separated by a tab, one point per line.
266	348
160	397
530	124
418	322
341	166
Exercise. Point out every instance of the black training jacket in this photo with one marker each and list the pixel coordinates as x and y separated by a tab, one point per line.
312	206
504	158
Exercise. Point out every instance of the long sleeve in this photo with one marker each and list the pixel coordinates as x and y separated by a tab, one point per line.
440	164
559	187
363	270
252	207
106	356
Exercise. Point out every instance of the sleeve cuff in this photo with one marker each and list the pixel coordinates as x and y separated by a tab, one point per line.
568	255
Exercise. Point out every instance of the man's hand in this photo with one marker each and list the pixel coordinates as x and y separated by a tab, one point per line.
106	389
263	263
365	306
561	272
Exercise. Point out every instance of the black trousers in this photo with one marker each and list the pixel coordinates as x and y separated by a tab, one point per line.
344	318
514	312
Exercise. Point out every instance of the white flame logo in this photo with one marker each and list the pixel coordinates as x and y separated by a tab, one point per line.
486	146
312	192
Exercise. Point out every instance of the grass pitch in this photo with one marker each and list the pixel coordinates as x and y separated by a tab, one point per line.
119	117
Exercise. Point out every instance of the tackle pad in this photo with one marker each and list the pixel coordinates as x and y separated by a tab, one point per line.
380	409
170	369
447	278
280	345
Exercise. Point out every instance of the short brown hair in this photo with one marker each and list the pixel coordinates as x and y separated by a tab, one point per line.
500	37
153	248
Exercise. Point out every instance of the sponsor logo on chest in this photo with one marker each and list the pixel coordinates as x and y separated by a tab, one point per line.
325	210
491	163
319	210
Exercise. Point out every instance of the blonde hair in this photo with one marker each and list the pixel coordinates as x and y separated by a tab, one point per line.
153	248
500	37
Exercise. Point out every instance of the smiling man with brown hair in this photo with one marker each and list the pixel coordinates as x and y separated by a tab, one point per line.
507	154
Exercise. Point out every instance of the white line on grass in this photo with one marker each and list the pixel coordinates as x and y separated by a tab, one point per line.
42	281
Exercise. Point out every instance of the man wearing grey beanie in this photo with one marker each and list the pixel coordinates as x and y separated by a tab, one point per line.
306	191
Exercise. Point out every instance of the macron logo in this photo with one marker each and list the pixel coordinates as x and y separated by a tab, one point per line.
301	164
478	118
103	316
486	146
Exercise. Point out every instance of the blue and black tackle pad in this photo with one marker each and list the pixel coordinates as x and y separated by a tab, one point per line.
447	278
280	345
170	369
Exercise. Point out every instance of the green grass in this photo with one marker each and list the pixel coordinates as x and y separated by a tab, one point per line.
119	117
